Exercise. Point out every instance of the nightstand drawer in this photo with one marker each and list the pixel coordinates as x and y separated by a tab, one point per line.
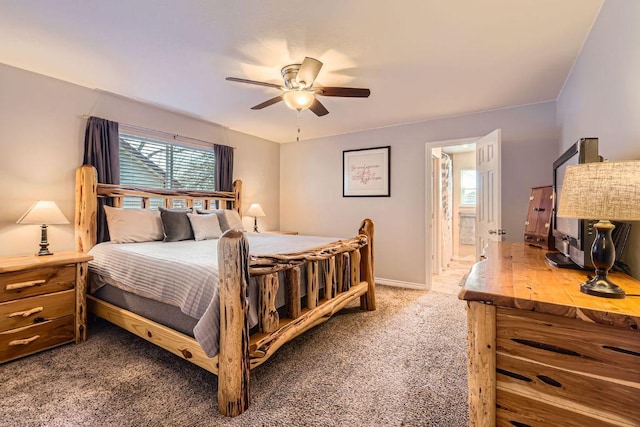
23	341
28	311
27	283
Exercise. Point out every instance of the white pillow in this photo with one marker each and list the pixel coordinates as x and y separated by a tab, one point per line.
133	225
234	220
205	227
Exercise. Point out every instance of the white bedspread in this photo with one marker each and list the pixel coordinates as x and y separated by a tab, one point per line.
185	274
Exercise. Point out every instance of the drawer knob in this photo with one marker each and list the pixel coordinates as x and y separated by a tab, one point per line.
26	313
24	341
22	285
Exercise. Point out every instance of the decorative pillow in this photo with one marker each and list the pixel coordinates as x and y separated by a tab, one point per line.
205	227
228	218
176	225
224	225
234	220
133	225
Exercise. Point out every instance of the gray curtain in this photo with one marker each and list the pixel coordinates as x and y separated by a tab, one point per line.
101	144
224	167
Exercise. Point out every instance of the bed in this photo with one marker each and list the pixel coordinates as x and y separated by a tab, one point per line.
292	289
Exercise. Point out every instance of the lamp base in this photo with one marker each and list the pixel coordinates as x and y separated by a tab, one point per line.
601	286
44	243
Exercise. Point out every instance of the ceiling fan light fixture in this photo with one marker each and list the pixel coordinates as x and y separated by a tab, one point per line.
298	99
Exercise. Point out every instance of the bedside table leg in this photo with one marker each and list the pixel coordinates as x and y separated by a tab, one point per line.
81	302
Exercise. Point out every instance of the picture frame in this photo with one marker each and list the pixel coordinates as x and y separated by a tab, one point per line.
366	172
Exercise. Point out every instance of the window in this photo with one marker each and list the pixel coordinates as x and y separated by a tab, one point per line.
468	187
153	163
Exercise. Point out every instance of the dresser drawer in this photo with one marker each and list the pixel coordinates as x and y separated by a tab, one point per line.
21	284
514	410
569	390
569	344
30	339
28	311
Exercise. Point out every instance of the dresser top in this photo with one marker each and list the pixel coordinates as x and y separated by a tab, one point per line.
27	262
517	275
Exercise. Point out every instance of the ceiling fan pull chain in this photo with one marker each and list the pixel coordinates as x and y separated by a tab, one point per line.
298	123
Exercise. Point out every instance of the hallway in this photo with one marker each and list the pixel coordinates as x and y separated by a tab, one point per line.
449	281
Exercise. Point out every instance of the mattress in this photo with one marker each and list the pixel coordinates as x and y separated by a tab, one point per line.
185	275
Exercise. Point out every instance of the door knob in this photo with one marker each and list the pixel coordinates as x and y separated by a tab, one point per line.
499	232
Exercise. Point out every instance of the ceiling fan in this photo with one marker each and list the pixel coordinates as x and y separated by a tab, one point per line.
298	91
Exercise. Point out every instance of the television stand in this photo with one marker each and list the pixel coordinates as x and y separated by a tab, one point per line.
560	260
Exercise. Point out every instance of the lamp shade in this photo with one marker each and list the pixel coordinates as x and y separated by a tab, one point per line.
255	210
601	190
298	99
43	212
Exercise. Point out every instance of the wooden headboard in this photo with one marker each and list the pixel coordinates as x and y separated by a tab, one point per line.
88	190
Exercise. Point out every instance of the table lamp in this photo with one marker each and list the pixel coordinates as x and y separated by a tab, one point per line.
602	191
255	210
43	212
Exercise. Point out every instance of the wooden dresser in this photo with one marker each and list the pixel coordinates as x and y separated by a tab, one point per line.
541	353
42	302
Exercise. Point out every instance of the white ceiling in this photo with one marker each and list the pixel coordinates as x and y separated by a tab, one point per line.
422	59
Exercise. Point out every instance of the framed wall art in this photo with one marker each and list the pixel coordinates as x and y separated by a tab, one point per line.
366	172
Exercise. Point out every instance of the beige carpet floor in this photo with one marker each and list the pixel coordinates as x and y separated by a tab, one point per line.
401	365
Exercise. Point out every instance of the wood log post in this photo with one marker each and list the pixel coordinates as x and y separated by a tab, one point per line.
292	292
82	269
233	356
354	262
86	215
346	271
237	189
367	301
481	337
313	279
339	272
267	313
118	202
329	278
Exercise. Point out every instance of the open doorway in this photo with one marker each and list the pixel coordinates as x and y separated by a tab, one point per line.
454	215
440	268
453	212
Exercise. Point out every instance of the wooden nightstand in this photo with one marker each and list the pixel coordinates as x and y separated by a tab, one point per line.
279	232
42	302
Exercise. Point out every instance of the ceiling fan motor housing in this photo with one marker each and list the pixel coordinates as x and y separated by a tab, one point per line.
289	74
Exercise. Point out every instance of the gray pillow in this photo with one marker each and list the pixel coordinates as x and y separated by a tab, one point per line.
176	224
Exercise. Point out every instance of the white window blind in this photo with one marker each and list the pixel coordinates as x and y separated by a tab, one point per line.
152	163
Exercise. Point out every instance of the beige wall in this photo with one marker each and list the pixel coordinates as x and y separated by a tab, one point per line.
41	144
311	181
601	97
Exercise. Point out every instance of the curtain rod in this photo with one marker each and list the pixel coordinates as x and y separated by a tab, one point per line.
172	135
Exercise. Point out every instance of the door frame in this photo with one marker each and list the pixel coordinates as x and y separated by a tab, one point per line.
428	199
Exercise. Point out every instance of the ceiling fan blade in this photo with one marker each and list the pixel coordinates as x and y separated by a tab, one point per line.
318	108
267	103
350	92
308	72
253	82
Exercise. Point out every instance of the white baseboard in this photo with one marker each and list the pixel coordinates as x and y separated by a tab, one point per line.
400	284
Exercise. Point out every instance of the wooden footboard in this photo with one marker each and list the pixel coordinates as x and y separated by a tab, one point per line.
345	268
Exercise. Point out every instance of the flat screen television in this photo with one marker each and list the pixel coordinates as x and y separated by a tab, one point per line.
574	237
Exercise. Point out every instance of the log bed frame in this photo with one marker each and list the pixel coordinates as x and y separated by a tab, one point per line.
347	266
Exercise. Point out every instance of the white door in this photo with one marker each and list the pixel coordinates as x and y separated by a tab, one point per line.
488	199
